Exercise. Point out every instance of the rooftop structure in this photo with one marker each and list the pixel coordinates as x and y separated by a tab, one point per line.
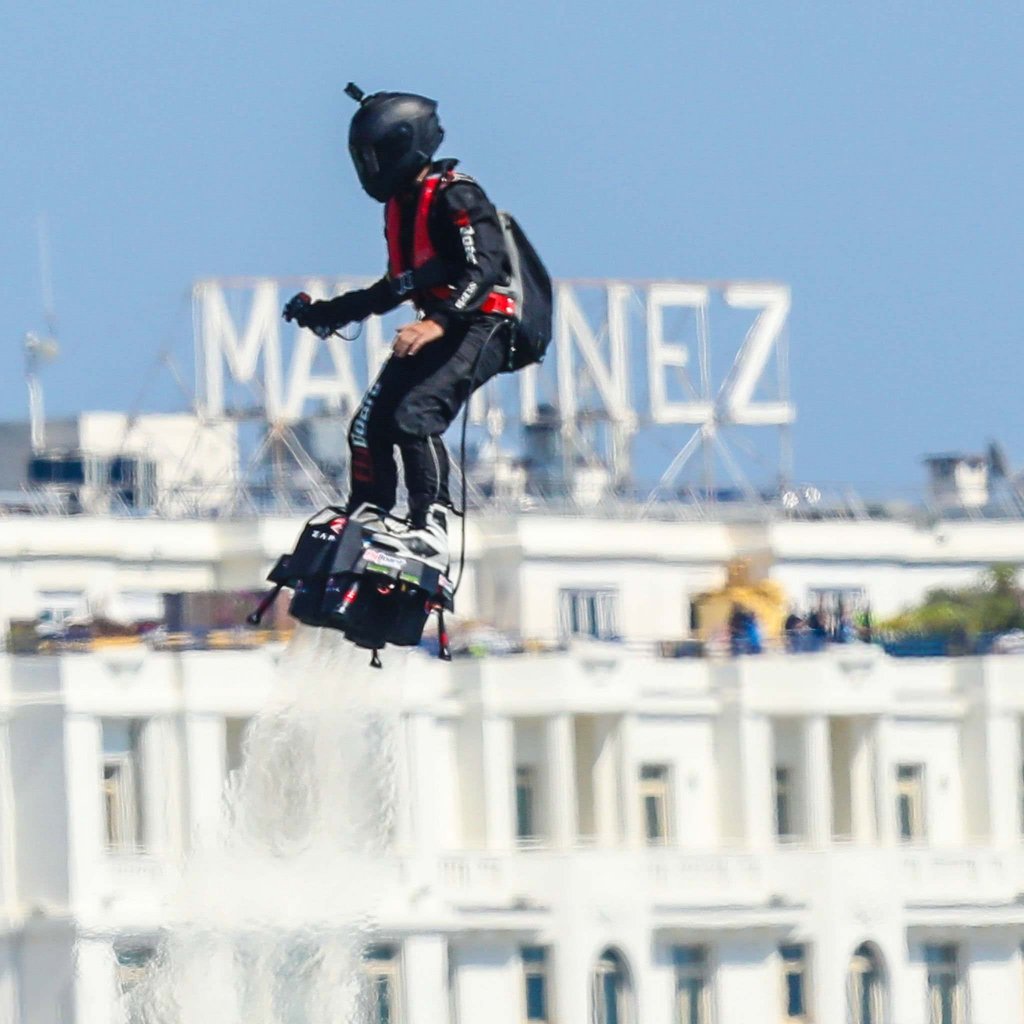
110	463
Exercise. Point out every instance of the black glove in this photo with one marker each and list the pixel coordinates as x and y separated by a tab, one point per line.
322	318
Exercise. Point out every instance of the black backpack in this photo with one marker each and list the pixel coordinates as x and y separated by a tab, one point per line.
531	287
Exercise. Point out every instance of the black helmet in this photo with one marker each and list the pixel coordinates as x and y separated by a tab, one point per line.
393	136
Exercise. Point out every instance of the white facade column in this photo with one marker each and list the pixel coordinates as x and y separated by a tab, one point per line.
607	816
499	782
8	814
817	772
417	819
561	778
573	977
756	780
9	993
96	993
487	980
831	956
425	979
84	811
745	979
862	791
991	975
206	768
161	777
885	788
629	800
1003	779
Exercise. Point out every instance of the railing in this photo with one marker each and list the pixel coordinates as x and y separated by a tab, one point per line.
540	875
967	876
131	876
912	877
806	503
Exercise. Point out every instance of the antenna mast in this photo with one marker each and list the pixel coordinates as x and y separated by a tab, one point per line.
37	349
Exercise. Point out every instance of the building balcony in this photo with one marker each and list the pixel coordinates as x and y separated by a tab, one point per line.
727	888
540	879
129	885
972	876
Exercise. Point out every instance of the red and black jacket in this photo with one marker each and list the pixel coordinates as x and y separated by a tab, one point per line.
446	253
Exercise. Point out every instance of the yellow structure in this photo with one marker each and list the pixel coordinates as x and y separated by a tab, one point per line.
764	597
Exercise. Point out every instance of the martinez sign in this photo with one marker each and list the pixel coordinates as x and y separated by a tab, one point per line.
629	352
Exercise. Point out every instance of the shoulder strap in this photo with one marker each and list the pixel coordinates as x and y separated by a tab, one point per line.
423	250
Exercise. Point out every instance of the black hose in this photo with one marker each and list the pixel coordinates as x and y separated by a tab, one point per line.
461	513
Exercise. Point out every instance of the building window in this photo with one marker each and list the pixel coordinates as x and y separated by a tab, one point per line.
910	802
612	991
535	981
654	799
122	785
235	732
693	984
795	983
58	609
866	986
382	975
131	961
526	803
784	803
590	613
945	991
839	609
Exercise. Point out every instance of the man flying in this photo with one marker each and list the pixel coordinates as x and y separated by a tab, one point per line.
447	255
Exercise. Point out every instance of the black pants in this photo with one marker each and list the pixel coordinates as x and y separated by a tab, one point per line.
410	405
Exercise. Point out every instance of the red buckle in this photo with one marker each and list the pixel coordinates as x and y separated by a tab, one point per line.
504	305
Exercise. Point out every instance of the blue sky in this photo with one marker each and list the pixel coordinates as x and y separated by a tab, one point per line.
870	155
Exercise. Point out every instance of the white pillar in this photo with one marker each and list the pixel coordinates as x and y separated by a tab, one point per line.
606	782
499	782
830	961
884	782
862	790
418	821
629	801
746	978
488	982
425	977
206	771
8	812
561	780
94	984
1003	779
573	977
756	780
817	772
84	811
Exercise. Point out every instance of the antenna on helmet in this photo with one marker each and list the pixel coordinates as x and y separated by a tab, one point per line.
355	92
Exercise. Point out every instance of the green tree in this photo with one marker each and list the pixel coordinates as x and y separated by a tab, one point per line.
995	604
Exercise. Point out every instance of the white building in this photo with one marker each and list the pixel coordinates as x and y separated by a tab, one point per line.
831	837
519	567
590	835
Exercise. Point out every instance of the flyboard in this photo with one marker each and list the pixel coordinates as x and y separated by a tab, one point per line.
367	575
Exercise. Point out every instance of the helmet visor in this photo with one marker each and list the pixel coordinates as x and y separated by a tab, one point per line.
382	161
393	148
365	159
